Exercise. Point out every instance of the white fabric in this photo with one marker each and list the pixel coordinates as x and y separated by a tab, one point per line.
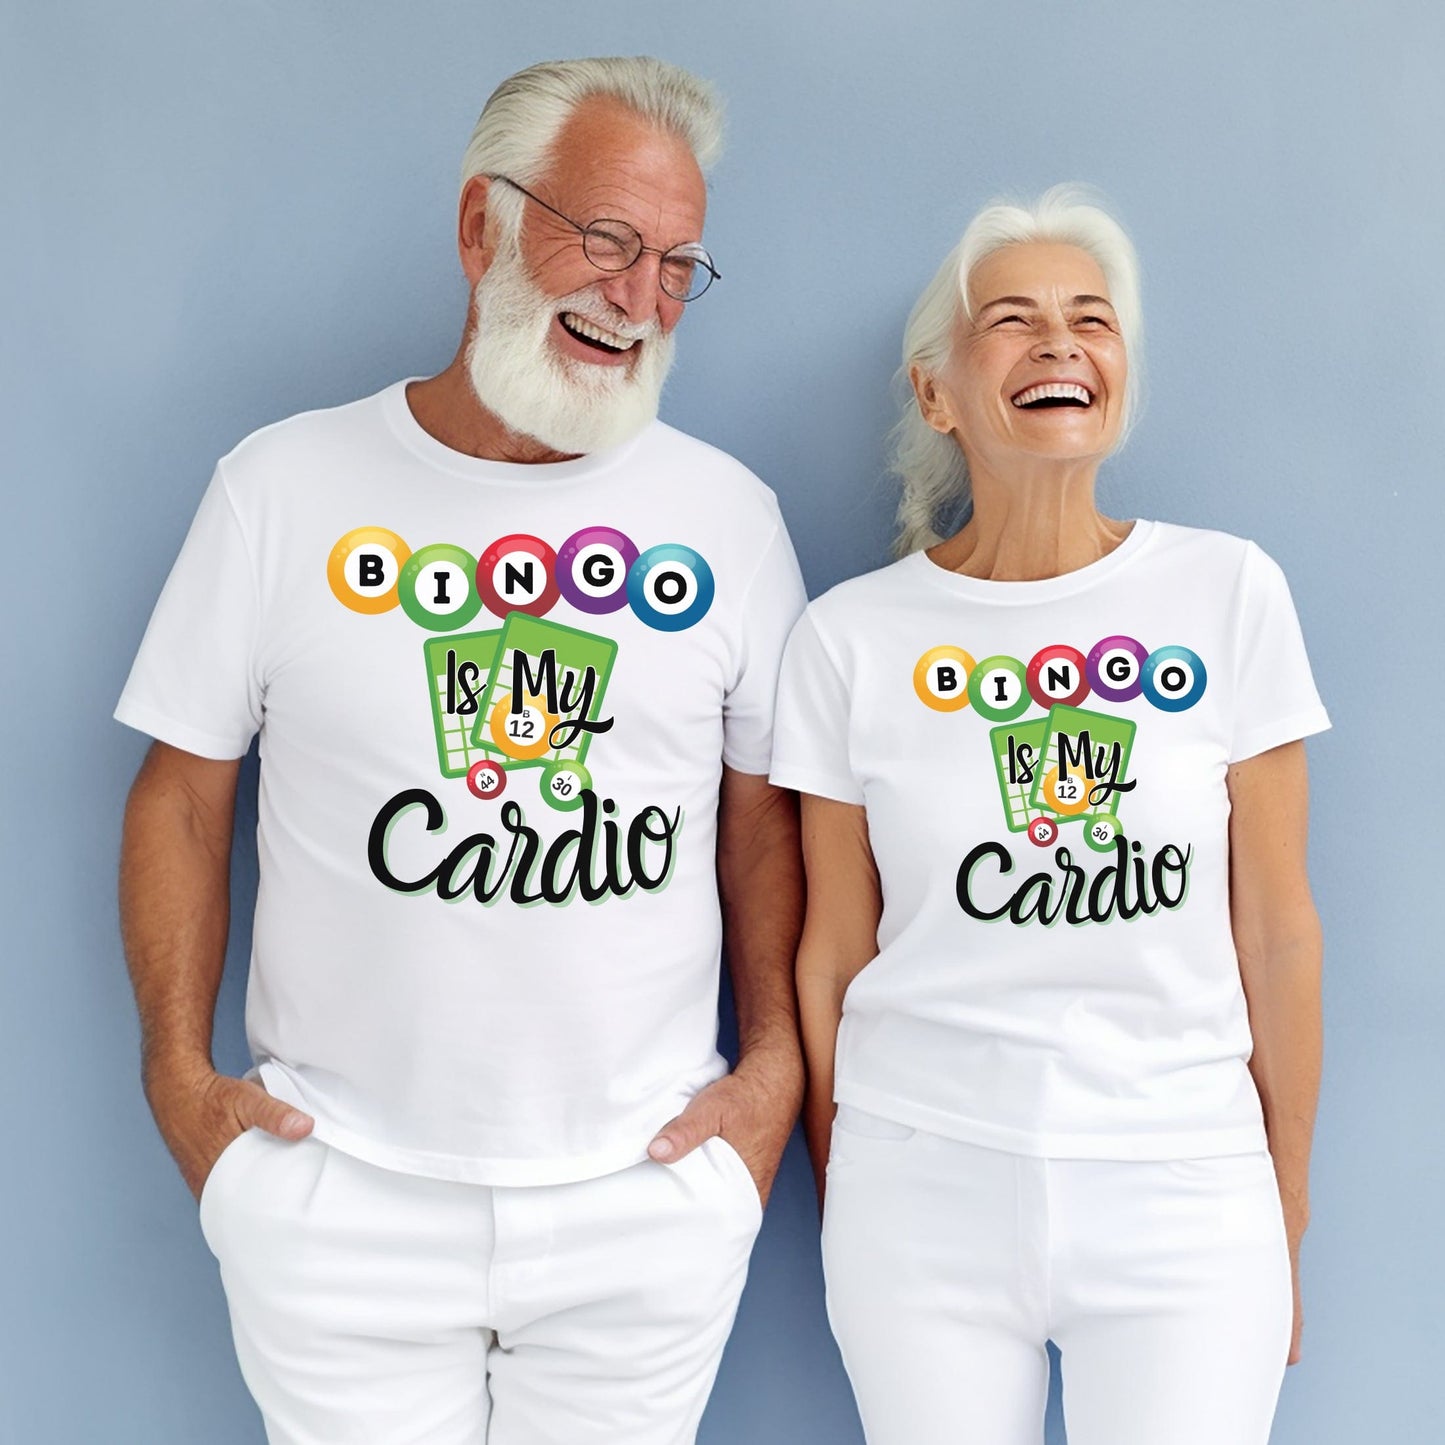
371	1307
1164	1283
507	1041
1105	1031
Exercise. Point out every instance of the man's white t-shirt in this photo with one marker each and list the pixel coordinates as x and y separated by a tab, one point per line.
494	704
1043	768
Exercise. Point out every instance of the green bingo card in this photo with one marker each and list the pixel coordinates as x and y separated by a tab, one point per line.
1028	742
567	687
1067	794
455	750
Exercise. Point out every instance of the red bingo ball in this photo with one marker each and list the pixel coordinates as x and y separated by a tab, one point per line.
486	778
1042	831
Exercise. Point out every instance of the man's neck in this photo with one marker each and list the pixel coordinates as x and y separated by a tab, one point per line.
446	407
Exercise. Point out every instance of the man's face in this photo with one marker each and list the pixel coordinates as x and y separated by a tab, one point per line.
563	352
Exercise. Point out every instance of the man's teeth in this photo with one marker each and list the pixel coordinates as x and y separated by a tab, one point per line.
610	339
1054	391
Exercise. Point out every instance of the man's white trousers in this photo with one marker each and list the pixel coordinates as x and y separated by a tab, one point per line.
1165	1285
373	1306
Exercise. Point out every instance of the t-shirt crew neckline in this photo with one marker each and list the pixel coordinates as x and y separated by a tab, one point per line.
420	442
1044	589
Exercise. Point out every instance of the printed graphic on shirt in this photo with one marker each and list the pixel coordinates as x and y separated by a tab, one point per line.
524	697
1070	765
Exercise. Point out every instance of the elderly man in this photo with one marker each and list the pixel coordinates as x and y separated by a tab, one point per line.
510	645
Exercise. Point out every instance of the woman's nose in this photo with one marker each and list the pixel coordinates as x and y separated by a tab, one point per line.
1057	343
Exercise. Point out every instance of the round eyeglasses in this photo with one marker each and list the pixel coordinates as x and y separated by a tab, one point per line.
684	272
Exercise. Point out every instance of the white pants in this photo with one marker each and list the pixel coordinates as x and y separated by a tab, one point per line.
1166	1286
379	1307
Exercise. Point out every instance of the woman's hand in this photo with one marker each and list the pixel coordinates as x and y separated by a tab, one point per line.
1296	1220
1277	938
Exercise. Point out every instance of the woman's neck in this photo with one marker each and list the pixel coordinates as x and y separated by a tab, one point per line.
1040	522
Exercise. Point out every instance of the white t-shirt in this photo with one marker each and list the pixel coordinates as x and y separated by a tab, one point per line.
1056	974
494	704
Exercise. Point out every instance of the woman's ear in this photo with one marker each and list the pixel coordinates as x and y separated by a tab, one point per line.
932	403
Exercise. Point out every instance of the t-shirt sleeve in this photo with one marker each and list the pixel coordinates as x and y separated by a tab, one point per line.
774	598
810	742
1275	700
194	682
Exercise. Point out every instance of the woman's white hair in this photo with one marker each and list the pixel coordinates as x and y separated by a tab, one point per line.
931	465
524	114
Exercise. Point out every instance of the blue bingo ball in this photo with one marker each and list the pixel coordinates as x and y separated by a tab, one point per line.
670	587
1174	678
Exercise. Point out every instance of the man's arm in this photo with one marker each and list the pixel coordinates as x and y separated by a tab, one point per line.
175	911
1277	938
760	879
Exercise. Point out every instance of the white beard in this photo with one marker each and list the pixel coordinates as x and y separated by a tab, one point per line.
559	401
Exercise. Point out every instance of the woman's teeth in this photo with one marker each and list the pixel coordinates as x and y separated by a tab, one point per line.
1055	391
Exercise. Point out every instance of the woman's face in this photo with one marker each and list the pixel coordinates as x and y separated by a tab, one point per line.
1039	369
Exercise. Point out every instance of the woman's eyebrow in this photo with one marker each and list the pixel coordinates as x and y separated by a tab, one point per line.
1009	301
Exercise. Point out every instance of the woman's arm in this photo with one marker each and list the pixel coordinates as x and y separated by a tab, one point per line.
1277	936
840	935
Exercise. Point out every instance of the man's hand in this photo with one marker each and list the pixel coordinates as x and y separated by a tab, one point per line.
199	1112
753	1108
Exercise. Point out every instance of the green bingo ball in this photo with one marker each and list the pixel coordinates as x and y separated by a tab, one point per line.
562	785
998	688
1100	832
438	587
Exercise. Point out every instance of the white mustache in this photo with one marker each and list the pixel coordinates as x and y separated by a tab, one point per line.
601	312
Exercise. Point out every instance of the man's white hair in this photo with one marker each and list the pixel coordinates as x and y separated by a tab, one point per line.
521	120
931	465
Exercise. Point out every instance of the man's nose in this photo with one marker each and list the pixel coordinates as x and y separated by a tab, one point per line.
635	291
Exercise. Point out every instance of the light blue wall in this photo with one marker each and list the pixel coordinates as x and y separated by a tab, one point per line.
218	215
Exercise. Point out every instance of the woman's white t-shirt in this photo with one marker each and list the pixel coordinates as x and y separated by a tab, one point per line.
1043	768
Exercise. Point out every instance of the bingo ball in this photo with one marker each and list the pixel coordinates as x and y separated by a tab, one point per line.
1114	666
592	568
518	574
1066	793
670	587
1173	678
1042	831
438	589
486	778
364	568
1100	832
940	678
998	688
526	733
562	785
1058	675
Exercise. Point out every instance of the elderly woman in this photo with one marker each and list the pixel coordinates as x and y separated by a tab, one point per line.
1061	965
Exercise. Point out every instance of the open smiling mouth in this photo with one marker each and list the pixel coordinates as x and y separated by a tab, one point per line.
597	337
1051	394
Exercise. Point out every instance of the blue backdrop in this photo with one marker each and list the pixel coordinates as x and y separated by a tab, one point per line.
219	215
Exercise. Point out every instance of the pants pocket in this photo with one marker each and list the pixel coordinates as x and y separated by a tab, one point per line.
870	1126
730	1162
217	1180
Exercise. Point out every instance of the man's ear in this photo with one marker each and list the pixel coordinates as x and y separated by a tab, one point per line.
476	239
932	404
